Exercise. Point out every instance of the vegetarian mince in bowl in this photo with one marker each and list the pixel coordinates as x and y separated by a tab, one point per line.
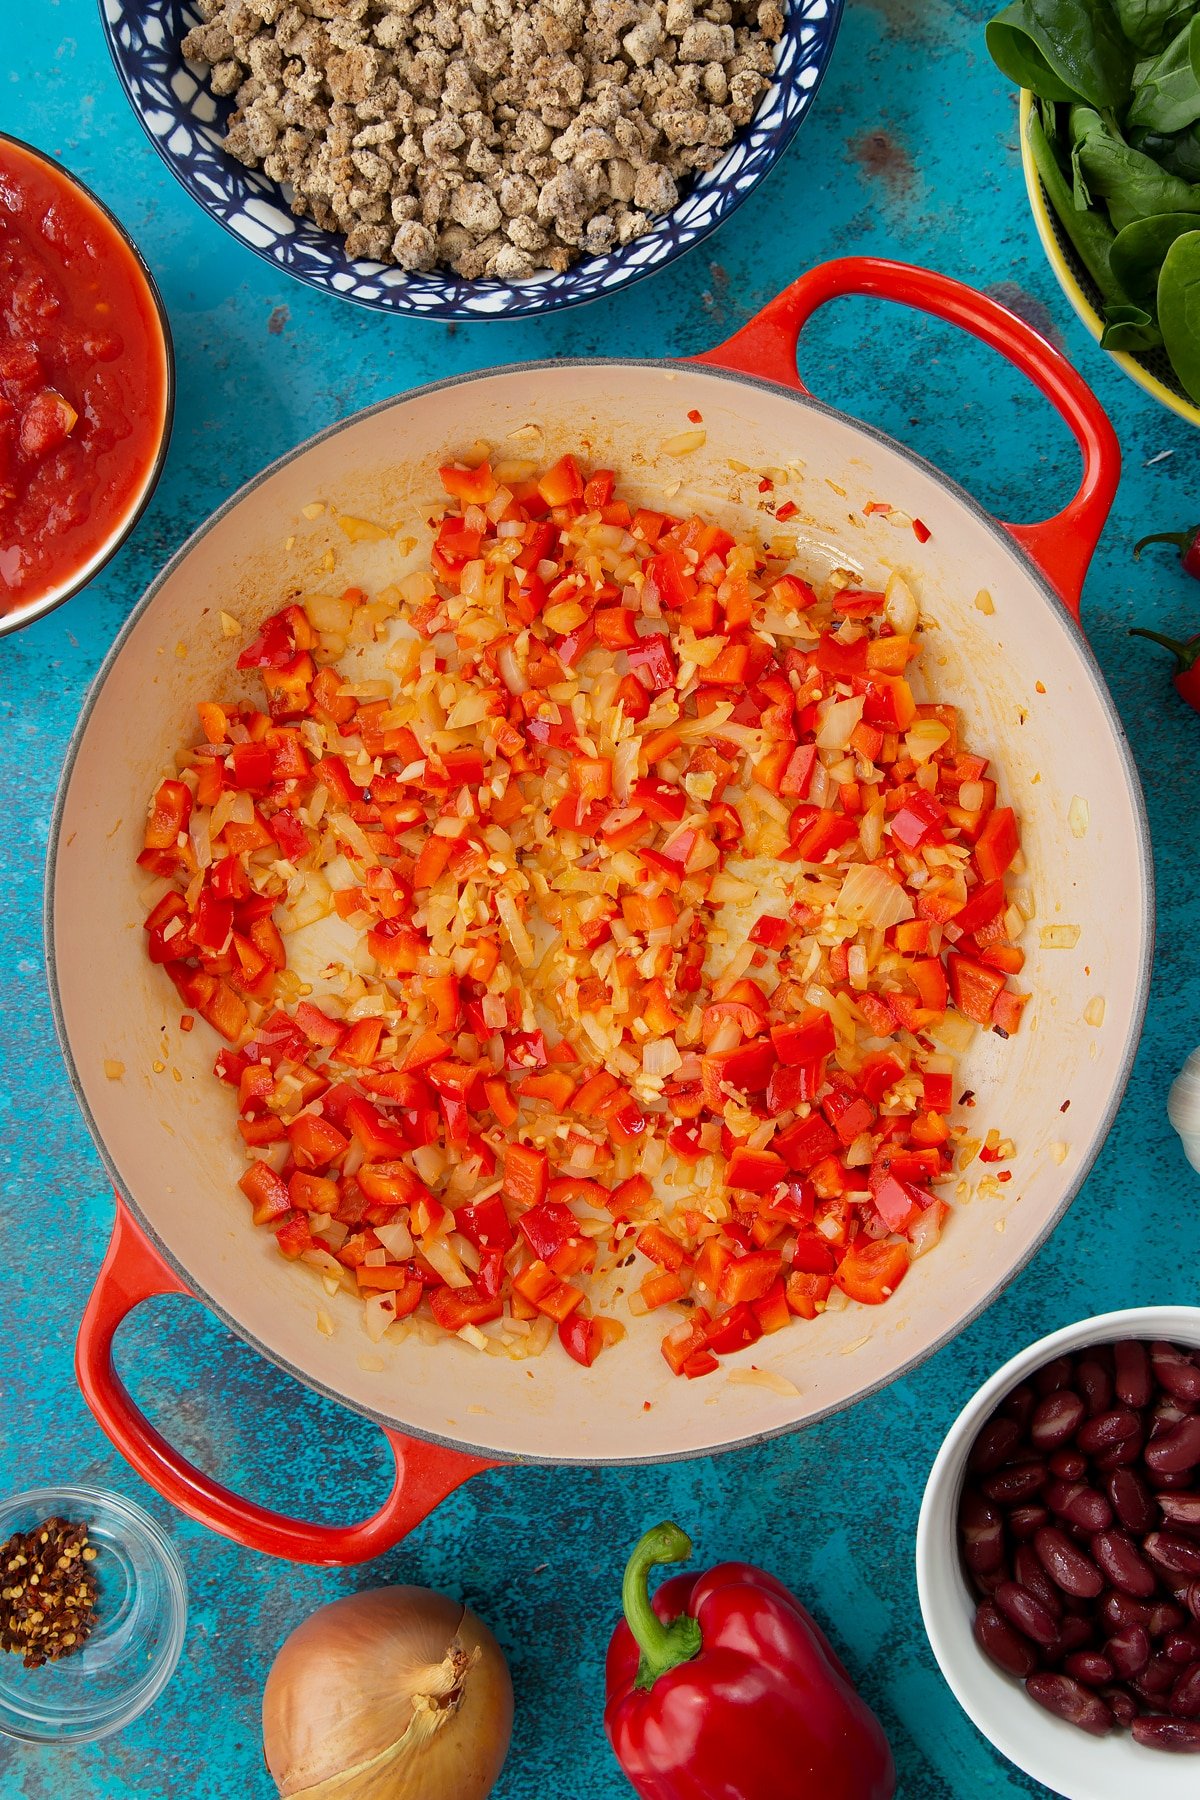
492	137
472	160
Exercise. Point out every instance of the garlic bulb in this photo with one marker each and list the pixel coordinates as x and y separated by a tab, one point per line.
392	1694
1183	1107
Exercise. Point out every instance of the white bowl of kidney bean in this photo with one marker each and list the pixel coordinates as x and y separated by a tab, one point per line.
1058	1557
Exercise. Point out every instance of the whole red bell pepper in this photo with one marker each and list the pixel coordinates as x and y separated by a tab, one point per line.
1186	679
725	1688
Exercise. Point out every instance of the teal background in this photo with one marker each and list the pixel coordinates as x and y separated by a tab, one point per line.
911	151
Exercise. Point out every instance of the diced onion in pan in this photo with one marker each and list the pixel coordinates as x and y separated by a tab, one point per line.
870	896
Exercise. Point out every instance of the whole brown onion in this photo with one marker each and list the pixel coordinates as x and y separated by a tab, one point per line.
397	1693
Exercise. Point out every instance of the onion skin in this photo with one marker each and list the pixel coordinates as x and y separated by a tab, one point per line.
396	1693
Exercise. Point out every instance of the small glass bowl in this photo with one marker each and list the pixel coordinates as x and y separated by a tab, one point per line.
141	1614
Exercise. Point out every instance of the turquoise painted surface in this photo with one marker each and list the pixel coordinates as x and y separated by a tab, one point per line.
911	151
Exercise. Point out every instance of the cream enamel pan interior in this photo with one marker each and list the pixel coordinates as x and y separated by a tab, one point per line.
1030	694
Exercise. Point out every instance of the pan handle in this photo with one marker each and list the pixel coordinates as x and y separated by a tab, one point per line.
1062	547
133	1271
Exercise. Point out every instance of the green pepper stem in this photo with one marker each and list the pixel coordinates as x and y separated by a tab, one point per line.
1181	540
663	1647
1185	654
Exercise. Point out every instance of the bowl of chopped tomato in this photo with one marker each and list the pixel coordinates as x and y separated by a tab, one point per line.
603	958
86	384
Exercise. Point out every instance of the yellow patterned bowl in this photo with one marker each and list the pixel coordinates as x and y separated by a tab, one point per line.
1151	370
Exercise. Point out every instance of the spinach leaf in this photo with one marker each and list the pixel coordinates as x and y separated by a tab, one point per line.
1138	251
1088	233
1063	50
1017	56
1081	198
1146	22
1129	327
1179	309
1179	155
1133	184
1167	92
1175	152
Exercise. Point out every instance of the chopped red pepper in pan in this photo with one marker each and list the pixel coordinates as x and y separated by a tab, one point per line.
671	903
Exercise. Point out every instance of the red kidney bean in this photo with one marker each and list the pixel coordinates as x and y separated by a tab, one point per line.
1132	1500
1066	1699
996	1443
1006	1647
1177	1449
1023	1521
1068	1465
1184	1699
982	1532
1094	1382
1079	1505
1181	1647
1181	1510
1166	1482
1090	1510
1028	1573
1019	1481
1171	1550
1188	1596
1123	1563
1120	1456
1123	1705
1165	1617
1056	1419
1059	1494
1131	1373
1026	1612
1176	1372
1019	1405
1074	1633
1118	1611
1105	1429
1129	1651
1160	1733
1163	1672
1053	1375
1088	1666
1167	1412
1067	1566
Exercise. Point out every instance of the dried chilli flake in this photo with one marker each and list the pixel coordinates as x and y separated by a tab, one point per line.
48	1597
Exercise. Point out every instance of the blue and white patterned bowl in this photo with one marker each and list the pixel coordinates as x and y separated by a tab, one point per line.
186	124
